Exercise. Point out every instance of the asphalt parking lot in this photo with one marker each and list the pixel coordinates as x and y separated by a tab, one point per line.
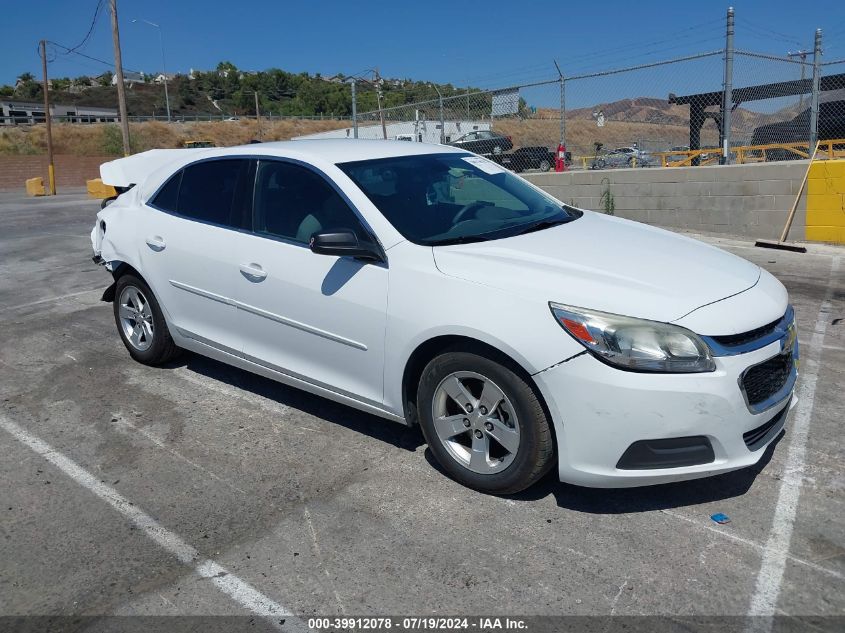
318	509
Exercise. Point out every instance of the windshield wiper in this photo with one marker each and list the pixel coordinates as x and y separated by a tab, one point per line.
465	239
543	224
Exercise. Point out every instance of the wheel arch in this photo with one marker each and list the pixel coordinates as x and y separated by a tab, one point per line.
432	347
120	268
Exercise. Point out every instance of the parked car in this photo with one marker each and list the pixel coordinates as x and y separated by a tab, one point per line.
622	157
523	158
483	142
634	151
831	126
430	286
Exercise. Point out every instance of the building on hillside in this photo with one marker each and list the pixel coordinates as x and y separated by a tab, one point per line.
129	77
30	112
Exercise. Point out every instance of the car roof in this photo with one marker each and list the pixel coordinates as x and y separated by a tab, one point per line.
153	167
336	150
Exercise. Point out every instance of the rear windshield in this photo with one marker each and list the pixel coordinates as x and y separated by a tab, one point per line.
437	199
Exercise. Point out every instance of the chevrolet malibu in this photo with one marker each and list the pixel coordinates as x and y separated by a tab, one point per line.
429	286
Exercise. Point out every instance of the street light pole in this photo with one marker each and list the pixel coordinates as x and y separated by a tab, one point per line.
163	64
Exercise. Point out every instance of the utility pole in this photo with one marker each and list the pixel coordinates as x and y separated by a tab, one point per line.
257	113
51	175
802	54
562	105
121	89
378	82
163	65
814	97
354	111
727	95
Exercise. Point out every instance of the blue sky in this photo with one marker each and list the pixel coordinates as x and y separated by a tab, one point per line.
486	44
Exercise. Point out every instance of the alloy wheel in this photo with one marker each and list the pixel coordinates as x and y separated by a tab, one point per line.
136	318
475	422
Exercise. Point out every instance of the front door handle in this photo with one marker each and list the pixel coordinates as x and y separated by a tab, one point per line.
253	272
156	242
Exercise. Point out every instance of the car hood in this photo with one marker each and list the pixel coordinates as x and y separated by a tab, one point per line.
607	264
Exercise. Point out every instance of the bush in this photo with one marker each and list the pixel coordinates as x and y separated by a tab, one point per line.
112	142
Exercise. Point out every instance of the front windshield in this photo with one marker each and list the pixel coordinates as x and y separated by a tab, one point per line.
437	199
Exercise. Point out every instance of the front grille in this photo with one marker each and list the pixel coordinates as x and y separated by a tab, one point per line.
766	379
734	340
755	437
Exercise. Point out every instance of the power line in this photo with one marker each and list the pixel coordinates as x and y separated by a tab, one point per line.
90	28
91	57
768	33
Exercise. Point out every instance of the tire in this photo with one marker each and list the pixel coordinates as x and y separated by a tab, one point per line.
473	455
146	338
545	165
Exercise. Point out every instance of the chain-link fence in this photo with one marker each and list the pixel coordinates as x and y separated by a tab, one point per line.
714	107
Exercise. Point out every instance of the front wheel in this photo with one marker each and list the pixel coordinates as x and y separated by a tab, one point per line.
484	423
545	165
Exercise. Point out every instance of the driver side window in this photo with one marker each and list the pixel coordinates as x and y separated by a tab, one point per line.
293	202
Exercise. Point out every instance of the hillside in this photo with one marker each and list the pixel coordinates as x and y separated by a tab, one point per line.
229	91
105	139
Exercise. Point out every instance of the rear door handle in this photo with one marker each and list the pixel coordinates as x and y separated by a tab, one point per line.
156	243
253	272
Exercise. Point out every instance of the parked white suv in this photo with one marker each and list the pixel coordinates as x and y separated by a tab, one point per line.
430	286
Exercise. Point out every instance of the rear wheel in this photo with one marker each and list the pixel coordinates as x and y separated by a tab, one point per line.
484	423
141	323
545	165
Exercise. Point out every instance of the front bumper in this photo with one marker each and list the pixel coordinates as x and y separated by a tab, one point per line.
600	411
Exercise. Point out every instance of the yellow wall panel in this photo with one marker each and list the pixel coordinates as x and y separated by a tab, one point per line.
826	202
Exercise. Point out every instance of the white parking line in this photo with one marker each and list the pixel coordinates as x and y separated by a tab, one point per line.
230	391
776	551
120	421
753	544
239	590
50	299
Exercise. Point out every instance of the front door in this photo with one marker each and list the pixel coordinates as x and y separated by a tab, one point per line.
317	317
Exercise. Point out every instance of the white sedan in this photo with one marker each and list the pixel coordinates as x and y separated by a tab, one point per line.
429	286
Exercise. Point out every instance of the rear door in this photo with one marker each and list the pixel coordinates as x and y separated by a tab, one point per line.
187	247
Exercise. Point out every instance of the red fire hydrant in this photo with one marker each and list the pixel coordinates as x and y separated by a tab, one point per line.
560	158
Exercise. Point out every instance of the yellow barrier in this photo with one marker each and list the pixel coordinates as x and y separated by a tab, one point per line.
826	202
35	186
834	148
96	189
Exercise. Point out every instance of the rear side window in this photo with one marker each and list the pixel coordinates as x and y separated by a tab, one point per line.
214	191
168	195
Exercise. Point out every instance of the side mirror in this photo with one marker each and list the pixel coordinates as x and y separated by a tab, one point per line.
344	243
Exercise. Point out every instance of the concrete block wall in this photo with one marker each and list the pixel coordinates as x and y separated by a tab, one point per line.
742	200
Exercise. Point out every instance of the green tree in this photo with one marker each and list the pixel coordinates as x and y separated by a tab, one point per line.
60	83
27	87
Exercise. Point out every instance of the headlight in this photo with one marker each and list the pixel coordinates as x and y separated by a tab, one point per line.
635	344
